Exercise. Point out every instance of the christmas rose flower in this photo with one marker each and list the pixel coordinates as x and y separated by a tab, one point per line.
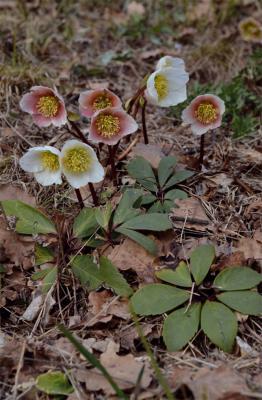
80	164
45	105
168	61
251	30
204	113
167	86
110	125
44	163
92	101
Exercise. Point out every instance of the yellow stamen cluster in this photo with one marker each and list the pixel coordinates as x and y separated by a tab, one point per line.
161	85
48	106
77	160
102	102
49	161
206	113
107	125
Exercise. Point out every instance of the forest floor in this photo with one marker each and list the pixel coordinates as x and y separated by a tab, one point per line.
91	44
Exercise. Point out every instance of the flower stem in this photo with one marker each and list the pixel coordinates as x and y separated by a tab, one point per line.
111	151
79	198
93	194
78	131
202	150
144	122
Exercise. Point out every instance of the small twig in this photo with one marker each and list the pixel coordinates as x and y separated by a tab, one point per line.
128	149
144	129
19	366
191	297
93	194
79	133
79	198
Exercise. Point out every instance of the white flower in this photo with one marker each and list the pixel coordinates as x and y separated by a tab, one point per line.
80	164
167	87
44	162
169	61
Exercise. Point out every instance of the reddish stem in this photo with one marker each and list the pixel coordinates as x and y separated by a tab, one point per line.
79	133
79	198
93	194
202	150
144	129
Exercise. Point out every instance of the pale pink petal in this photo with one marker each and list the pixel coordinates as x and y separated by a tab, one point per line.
128	124
87	98
61	117
199	129
42	90
28	103
188	115
41	121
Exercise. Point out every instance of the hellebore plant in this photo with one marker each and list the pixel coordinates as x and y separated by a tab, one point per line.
204	113
209	300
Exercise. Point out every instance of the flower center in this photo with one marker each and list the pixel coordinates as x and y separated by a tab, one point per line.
107	125
102	102
206	113
48	106
161	85
50	161
77	160
252	29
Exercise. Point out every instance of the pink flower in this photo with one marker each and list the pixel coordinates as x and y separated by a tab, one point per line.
92	101
45	105
204	113
110	125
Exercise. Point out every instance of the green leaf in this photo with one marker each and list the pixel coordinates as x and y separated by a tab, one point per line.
30	220
112	277
180	326
125	208
157	207
141	239
86	271
180	276
165	169
85	223
103	215
151	222
49	279
141	170
40	274
2	269
246	301
157	298
148	199
54	382
93	361
175	194
43	255
237	278
200	261
180	176
219	323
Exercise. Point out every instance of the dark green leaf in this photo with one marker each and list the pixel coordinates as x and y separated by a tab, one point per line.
103	215
30	221
110	275
175	194
2	269
148	199
40	274
200	261
54	382
219	323
141	239
165	169
180	326
157	207
141	170
237	278
49	279
151	222
180	176
125	209
246	301
43	255
86	271
85	223
180	276
157	298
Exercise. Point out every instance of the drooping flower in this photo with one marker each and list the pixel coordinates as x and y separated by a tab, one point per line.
45	105
92	101
168	61
251	30
44	163
167	86
80	164
110	125
204	113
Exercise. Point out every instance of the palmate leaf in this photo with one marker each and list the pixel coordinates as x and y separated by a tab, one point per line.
219	323
179	176
244	301
175	194
43	254
141	170
180	326
165	169
113	278
85	223
151	222
54	383
125	210
30	220
237	278
180	276
103	215
139	238
157	298
49	279
86	271
200	261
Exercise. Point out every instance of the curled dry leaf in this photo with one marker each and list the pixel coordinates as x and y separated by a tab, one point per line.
34	307
251	248
9	192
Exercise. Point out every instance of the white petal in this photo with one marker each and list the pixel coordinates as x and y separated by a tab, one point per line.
31	161
174	97
176	78
151	90
96	174
199	129
47	177
187	115
70	144
169	61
